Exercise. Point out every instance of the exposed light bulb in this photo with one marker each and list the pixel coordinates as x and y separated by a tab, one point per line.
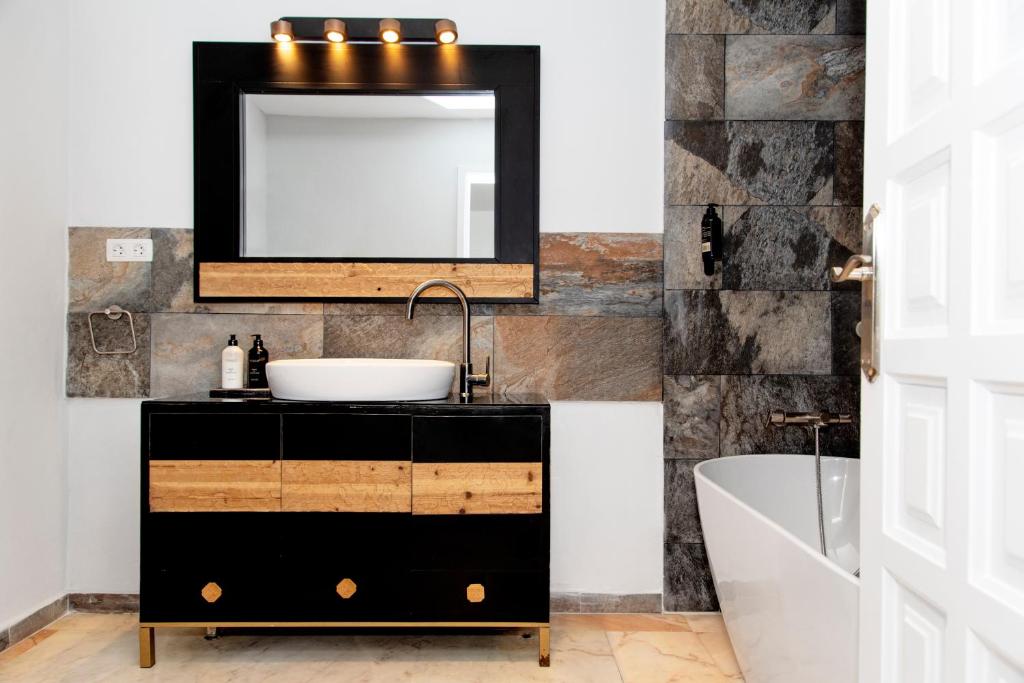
281	31
390	30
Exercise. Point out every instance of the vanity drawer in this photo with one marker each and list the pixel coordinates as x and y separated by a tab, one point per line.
477	488
214	485
322	550
212	594
347	593
480	596
346	486
239	553
478	438
332	436
214	436
480	543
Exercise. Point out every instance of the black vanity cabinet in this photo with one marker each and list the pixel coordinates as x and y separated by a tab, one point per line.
292	514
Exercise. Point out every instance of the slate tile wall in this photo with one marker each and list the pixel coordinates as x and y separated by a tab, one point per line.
764	109
596	334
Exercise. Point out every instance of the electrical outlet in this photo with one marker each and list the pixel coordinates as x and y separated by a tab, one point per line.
129	250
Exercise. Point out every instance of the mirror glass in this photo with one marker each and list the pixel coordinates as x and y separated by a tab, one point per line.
368	176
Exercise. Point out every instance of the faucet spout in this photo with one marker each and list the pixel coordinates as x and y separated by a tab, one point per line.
467	380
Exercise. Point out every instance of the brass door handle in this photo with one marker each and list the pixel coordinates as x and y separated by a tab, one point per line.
346	588
858	267
475	592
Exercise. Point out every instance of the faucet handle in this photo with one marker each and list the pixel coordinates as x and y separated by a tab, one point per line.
481	379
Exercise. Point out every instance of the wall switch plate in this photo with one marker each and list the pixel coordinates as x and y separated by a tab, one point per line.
130	250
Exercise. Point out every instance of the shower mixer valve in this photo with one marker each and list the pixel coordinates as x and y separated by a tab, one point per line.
780	418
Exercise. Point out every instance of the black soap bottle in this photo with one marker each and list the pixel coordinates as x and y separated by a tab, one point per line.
710	239
258	358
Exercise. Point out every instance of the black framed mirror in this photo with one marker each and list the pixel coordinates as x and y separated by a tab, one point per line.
352	172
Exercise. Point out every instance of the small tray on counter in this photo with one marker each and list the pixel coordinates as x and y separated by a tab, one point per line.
240	393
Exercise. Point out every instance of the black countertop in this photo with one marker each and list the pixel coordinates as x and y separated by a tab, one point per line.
480	401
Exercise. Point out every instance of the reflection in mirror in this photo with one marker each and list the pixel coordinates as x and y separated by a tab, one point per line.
369	176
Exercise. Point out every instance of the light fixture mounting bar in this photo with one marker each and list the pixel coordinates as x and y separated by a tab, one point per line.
364	30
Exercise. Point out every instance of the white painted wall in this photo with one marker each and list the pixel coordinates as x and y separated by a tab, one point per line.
602	100
33	220
602	111
607	514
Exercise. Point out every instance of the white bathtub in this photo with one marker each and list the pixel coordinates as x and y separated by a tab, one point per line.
791	613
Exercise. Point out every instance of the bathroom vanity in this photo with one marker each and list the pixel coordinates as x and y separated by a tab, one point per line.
269	513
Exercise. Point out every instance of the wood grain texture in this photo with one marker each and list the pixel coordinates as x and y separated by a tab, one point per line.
215	485
476	488
346	486
365	280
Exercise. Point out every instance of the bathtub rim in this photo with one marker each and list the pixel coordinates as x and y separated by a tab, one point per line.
814	552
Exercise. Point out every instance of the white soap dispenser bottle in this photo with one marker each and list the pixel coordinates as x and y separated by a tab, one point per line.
232	365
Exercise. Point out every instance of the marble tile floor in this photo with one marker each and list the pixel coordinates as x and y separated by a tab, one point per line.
620	648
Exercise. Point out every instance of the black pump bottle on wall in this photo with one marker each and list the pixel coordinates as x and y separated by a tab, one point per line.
710	239
258	358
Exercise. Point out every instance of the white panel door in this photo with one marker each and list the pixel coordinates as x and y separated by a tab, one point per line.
942	455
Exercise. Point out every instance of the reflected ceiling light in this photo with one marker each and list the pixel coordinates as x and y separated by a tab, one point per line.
281	31
335	31
390	30
445	31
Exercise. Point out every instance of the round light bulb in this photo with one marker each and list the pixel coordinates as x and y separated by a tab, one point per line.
335	31
445	31
389	30
282	31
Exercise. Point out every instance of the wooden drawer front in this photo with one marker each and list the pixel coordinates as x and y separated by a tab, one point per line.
478	488
478	439
214	485
219	436
480	596
346	486
479	542
326	436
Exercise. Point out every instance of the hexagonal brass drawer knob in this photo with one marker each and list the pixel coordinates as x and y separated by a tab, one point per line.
346	588
211	592
475	592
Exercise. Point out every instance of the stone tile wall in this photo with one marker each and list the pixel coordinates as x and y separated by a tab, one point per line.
596	334
764	109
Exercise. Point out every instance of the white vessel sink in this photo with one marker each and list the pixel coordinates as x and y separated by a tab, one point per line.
360	379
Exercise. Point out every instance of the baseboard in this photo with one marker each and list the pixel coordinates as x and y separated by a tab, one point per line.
605	603
110	603
41	618
104	603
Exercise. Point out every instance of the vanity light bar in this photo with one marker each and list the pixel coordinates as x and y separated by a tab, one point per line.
364	30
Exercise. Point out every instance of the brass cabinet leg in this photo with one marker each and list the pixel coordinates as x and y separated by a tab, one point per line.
147	647
544	643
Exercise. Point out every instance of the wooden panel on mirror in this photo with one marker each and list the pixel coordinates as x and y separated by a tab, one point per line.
362	280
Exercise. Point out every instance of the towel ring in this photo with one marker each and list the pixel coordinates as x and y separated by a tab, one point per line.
114	313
